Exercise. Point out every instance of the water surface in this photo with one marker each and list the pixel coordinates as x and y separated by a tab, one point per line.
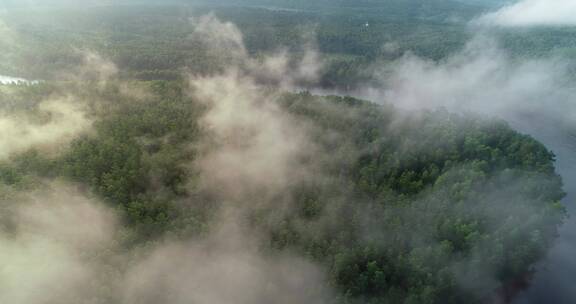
554	281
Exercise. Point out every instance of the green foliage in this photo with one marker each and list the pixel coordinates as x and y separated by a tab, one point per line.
429	208
432	209
155	42
422	208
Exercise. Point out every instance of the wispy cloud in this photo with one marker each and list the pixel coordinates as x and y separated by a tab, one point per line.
534	13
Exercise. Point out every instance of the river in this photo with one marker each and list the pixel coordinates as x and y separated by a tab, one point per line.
553	280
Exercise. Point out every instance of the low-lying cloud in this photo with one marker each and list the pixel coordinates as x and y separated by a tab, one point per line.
534	13
64	247
281	69
255	148
536	95
56	122
47	239
481	78
226	267
61	246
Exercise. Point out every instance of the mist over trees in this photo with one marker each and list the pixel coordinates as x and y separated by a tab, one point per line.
168	155
152	42
436	208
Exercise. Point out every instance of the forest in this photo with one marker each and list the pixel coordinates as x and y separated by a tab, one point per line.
161	154
445	196
153	42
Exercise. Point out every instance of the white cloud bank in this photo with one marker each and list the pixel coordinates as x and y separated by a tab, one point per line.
534	13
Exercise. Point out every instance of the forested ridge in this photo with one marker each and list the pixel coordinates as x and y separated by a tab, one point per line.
396	207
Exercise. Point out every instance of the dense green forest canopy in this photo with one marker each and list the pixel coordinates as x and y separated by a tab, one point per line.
394	206
155	42
431	208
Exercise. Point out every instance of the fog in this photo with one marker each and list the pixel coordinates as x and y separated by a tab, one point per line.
535	95
481	78
533	13
253	154
21	132
45	239
62	234
59	245
227	267
254	148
